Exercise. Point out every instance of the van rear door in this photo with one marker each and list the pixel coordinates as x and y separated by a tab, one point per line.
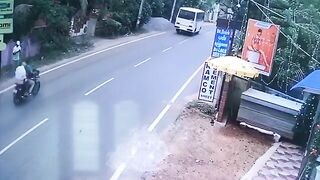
186	19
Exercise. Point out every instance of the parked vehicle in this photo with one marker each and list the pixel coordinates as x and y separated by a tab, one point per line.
21	91
189	20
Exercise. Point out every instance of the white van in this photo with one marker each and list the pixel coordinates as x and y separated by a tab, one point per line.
189	20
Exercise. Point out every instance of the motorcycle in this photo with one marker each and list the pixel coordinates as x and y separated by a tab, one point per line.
21	91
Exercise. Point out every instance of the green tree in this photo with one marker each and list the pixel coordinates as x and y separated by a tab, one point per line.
157	7
201	4
167	7
120	17
299	41
57	17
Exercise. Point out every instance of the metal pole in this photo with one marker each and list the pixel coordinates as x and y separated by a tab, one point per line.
172	11
139	14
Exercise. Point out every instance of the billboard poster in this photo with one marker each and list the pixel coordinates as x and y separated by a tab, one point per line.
222	42
260	45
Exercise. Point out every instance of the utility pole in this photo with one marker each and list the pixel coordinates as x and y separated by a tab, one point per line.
173	8
139	14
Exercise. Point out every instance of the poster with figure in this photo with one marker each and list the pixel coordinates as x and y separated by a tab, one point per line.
260	45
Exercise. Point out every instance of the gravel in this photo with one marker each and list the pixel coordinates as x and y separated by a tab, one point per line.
159	24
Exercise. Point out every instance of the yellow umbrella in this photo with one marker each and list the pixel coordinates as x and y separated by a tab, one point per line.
233	65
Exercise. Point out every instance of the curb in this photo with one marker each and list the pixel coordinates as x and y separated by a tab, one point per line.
260	162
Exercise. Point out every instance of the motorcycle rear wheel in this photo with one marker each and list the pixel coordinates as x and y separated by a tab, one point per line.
16	100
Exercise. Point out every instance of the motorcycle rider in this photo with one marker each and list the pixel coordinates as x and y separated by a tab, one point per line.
20	74
29	74
23	74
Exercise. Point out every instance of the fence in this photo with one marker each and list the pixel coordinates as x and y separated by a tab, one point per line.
310	161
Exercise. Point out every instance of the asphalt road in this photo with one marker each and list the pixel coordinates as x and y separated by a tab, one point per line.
85	109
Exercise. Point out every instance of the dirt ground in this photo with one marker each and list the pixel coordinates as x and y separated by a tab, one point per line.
198	150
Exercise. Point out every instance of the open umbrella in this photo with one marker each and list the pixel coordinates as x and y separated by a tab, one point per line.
234	66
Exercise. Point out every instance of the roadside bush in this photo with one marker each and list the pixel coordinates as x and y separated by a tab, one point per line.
124	19
146	14
121	17
109	27
55	35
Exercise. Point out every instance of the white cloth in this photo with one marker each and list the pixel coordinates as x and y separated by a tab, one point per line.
16	52
16	49
21	73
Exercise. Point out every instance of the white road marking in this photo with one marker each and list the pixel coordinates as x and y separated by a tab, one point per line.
142	62
22	136
89	55
183	41
7	89
166	109
96	88
158	119
119	171
122	167
167	49
175	97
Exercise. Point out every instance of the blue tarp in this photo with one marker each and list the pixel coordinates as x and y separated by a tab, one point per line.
310	84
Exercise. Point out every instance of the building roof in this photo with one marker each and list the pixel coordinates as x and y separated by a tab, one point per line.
192	9
283	163
310	84
272	101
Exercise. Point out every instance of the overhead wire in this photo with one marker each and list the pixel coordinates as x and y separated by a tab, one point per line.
286	36
280	15
281	66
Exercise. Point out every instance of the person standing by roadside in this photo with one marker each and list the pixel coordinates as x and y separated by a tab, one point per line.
16	53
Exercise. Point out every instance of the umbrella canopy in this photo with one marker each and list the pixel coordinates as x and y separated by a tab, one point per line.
233	65
309	84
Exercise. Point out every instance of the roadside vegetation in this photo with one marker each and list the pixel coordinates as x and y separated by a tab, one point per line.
298	51
48	22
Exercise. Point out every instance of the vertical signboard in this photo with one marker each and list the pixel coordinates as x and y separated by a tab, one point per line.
260	45
222	42
208	84
221	47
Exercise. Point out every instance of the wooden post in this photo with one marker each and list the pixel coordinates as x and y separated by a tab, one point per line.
224	98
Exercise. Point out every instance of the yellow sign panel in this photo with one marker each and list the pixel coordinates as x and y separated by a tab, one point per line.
6	26
2	44
6	7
